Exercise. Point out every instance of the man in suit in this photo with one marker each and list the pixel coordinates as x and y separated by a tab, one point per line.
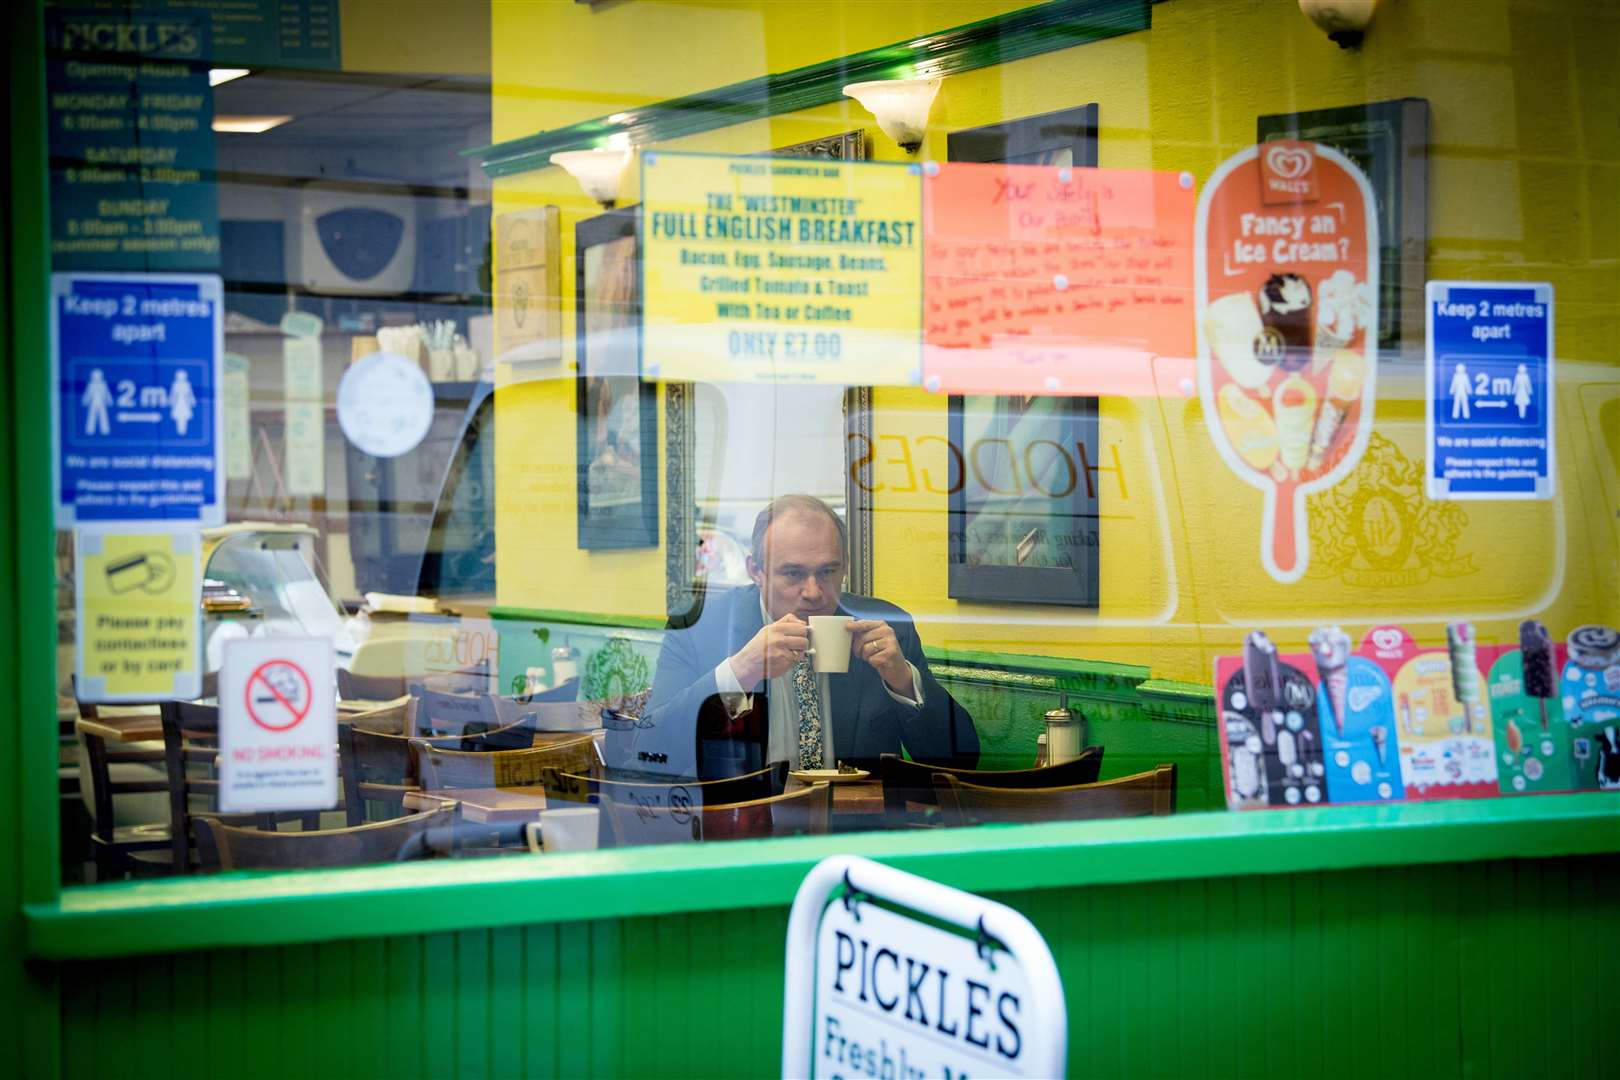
735	690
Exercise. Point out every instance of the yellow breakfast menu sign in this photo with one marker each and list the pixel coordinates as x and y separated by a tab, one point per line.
138	604
781	269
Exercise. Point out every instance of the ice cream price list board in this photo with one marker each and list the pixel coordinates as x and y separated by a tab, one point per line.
1391	720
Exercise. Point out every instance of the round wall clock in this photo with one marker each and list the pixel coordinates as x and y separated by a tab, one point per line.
385	404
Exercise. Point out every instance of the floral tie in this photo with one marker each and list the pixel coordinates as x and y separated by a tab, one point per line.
804	685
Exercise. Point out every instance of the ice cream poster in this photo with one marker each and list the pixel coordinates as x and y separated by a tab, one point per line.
1557	710
1286	283
1442	721
1356	706
1271	740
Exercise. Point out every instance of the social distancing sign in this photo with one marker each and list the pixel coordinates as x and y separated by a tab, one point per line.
278	725
139	594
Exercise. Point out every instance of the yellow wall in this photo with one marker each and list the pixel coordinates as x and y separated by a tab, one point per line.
1524	184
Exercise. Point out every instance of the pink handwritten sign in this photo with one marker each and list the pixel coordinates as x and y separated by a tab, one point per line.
1043	280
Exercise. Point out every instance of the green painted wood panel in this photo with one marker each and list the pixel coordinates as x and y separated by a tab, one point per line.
1493	969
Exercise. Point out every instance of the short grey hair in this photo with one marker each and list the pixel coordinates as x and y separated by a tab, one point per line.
783	505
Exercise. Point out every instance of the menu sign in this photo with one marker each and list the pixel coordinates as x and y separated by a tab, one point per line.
1287	286
781	269
1047	280
131	141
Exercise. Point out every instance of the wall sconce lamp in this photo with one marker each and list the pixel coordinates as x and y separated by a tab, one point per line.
1343	21
900	106
598	171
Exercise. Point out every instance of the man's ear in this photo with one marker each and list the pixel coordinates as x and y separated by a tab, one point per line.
755	574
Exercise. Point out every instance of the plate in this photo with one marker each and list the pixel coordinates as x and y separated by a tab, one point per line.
827	776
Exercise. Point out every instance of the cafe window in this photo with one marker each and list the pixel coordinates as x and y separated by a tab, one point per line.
504	434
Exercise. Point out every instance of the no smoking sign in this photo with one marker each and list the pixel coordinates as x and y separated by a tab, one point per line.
278	725
279	695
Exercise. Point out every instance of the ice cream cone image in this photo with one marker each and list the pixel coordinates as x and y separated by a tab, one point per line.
1380	739
1294	407
1343	308
1345	381
1330	648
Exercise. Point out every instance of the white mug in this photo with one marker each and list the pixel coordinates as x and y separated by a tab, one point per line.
566	828
830	642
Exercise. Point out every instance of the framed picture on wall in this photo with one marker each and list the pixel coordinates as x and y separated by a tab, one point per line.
1023	490
617	419
1389	140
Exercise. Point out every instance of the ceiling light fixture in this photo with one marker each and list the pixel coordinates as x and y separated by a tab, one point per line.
900	106
248	125
218	76
598	171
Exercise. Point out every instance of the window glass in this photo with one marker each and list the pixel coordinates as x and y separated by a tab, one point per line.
492	431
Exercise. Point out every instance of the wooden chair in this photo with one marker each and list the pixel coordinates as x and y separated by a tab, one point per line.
760	784
378	767
190	749
635	823
225	847
576	787
352	687
118	849
908	786
1141	795
442	769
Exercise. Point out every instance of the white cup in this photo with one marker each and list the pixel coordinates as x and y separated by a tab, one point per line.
829	642
567	828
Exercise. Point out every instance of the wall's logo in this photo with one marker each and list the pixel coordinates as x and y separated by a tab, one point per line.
1387	639
1288	173
1376	530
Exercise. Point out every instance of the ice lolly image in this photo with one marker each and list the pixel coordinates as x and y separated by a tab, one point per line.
1465	680
1380	739
1262	681
1232	324
1330	648
1248	425
1536	654
1515	738
1294	406
1345	382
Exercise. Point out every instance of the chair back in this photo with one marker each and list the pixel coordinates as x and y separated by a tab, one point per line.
684	797
442	712
636	818
377	768
224	847
442	769
908	786
1141	795
352	687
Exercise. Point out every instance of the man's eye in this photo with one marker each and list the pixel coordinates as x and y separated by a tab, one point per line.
793	575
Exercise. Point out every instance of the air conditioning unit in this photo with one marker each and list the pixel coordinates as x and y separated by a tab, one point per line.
351	243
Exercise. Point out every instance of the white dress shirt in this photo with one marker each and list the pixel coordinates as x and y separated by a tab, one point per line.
783	739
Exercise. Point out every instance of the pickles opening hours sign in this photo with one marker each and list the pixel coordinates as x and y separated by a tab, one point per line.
780	269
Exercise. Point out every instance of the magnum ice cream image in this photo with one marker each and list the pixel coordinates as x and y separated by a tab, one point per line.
1330	648
1536	654
1287	359
1263	682
1285	311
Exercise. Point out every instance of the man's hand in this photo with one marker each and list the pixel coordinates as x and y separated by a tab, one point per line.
874	641
772	652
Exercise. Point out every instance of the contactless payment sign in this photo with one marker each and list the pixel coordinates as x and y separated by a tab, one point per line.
278	725
138	376
1489	419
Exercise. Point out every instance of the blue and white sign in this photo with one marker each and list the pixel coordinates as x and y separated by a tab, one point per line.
1489	419
138	366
